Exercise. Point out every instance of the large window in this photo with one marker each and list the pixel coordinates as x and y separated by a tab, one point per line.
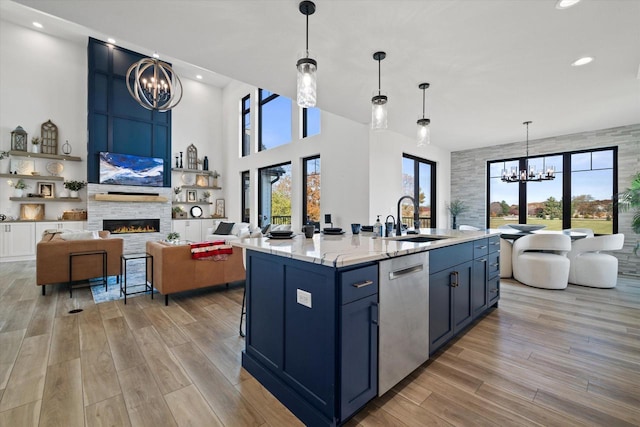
311	190
246	125
419	182
274	120
274	201
310	122
581	195
246	198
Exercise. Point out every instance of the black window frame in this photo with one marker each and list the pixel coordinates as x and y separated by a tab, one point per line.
566	185
245	184
245	112
260	210
416	186
304	188
262	103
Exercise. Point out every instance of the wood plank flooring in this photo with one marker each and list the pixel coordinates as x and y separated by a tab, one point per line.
553	358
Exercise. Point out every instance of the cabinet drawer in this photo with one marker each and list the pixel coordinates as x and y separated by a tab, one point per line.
493	288
359	283
493	266
480	248
494	244
442	258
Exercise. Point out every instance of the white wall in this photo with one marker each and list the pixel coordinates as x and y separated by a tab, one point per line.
343	148
385	175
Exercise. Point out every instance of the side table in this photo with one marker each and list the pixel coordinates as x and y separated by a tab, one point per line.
73	255
148	284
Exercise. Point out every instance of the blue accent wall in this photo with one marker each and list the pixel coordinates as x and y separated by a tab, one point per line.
116	122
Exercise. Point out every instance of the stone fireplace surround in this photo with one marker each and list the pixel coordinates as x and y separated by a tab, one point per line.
98	210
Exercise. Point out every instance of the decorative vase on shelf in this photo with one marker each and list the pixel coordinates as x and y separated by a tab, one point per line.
73	194
18	192
35	148
63	193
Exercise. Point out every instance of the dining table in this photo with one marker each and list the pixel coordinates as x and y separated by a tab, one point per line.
516	234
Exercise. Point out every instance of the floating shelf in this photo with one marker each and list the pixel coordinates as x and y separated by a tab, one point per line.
42	177
198	171
191	203
44	156
129	198
45	199
198	187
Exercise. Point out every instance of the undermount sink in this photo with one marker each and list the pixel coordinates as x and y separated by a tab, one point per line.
419	238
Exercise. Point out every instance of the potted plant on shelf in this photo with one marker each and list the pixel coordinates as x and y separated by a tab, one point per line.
173	237
205	196
177	191
74	187
18	187
178	212
456	207
35	144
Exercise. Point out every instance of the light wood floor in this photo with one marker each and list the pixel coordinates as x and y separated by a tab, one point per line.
544	357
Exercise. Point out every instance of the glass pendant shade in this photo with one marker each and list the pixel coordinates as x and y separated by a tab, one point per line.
307	82
378	111
424	132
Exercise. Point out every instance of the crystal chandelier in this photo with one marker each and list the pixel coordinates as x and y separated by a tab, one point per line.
529	172
379	100
424	132
307	66
154	84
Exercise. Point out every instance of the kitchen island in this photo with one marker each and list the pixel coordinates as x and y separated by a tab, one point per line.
313	307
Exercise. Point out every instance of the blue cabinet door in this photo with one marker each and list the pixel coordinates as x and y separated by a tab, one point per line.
462	314
440	308
479	286
359	354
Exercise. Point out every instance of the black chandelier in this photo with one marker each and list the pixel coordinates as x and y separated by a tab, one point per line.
528	173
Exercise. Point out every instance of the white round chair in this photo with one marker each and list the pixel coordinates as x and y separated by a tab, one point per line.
540	260
590	267
506	270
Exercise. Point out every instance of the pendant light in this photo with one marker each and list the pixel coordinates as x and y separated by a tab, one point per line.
307	66
379	101
529	172
424	132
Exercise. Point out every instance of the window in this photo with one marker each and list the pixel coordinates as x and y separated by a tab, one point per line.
274	188
274	120
419	182
311	190
246	125
245	197
310	122
588	179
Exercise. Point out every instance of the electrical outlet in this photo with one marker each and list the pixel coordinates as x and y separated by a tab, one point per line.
303	298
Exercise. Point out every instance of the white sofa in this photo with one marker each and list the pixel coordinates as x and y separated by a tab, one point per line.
240	230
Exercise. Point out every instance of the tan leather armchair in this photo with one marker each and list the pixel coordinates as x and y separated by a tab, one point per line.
52	258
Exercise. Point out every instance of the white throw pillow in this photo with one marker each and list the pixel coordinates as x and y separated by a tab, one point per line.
80	235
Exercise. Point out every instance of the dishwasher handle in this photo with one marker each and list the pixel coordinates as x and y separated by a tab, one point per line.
403	272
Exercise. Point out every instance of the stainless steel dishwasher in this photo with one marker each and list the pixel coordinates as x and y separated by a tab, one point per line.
404	318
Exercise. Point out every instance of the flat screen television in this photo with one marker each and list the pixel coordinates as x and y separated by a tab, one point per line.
125	169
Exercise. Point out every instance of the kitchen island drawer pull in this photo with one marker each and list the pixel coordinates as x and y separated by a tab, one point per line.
362	284
482	247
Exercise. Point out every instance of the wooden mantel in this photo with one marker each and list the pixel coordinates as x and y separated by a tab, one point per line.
129	198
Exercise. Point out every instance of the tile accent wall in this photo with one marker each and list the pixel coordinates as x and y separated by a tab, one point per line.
100	210
471	187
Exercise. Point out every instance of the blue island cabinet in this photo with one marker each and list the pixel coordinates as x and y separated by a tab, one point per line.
312	335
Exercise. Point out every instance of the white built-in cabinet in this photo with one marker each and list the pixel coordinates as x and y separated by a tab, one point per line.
17	241
194	230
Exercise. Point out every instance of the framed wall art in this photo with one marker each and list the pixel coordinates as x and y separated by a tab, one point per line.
220	207
47	189
22	167
31	211
192	196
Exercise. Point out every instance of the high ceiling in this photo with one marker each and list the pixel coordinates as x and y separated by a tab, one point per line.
492	64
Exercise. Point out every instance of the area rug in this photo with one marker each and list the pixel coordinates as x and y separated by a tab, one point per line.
112	293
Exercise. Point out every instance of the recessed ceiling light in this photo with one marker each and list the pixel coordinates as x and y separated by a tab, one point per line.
582	61
199	77
112	41
37	25
564	4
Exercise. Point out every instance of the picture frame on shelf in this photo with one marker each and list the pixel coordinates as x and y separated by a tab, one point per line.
192	196
22	166
220	207
202	180
32	211
47	189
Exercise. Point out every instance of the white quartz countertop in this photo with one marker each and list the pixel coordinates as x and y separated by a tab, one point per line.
350	249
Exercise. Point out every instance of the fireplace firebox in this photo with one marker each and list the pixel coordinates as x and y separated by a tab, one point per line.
126	226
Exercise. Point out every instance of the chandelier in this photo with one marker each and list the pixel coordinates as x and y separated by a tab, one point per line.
529	172
154	84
